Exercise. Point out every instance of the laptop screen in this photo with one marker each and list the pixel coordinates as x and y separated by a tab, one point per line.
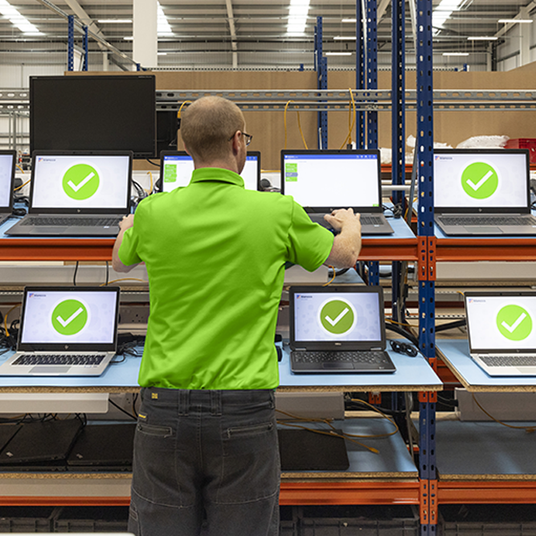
337	316
7	164
503	322
481	179
332	179
69	317
176	170
89	182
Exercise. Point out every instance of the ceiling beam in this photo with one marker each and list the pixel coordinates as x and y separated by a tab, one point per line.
81	13
523	14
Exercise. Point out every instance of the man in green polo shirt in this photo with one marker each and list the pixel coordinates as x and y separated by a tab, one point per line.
215	253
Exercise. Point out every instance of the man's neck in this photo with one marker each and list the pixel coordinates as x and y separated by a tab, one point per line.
231	165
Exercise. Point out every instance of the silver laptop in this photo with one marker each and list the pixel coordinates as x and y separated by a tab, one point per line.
65	331
501	328
7	178
482	192
77	193
338	329
321	181
176	169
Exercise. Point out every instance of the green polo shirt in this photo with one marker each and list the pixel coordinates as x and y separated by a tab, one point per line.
215	255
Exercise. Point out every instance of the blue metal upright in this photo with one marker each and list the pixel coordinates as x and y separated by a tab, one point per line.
424	152
321	67
70	43
86	49
398	164
360	71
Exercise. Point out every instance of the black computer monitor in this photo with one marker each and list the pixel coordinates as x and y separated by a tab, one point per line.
94	113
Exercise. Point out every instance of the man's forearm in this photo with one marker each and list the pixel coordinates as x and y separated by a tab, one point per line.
117	264
346	247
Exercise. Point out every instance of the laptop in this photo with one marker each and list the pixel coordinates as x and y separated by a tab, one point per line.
482	192
65	331
501	328
338	329
322	181
176	169
103	447
77	193
7	179
42	445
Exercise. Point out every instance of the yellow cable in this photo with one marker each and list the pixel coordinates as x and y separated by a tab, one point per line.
21	170
299	125
181	107
349	137
5	318
528	429
331	280
19	187
151	189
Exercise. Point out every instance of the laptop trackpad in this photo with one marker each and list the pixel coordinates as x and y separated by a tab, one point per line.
337	365
50	369
484	230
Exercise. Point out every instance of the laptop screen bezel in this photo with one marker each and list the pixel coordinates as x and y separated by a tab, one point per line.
327	209
7	209
163	154
499	294
63	210
341	345
489	210
62	347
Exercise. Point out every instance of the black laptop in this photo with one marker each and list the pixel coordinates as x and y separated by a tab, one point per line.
322	181
7	179
176	169
482	192
77	193
338	329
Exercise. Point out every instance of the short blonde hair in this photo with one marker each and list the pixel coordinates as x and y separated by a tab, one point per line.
207	126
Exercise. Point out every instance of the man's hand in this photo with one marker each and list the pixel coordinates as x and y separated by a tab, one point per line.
343	216
126	222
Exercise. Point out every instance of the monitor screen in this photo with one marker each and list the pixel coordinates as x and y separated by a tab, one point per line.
176	170
332	178
7	164
93	113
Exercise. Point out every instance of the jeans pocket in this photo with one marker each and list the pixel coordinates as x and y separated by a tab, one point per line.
250	463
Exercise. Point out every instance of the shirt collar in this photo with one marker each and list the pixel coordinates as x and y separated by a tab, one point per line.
217	175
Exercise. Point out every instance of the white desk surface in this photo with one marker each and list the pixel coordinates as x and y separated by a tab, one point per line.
412	374
455	353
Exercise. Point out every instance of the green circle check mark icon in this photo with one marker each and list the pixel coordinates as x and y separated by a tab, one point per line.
479	180
337	317
514	322
80	182
69	317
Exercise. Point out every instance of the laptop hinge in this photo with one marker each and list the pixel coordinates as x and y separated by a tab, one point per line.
300	349
377	348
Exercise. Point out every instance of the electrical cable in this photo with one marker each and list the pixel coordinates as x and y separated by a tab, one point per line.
333	278
75	272
403	332
22	185
107	273
451	325
121	409
152	163
299	125
350	127
528	429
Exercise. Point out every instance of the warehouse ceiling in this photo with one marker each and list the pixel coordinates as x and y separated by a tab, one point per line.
219	28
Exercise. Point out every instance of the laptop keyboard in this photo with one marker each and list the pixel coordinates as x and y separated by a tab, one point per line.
64	222
372	357
509	360
488	220
60	359
370	220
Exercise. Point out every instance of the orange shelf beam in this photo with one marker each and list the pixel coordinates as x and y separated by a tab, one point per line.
486	492
504	249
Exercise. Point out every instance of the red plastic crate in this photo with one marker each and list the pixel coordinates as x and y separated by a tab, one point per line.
524	143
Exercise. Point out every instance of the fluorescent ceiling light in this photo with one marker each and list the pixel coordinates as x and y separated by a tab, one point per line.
22	23
455	53
349	20
128	38
516	21
443	12
114	21
297	16
338	53
344	38
162	25
161	53
482	38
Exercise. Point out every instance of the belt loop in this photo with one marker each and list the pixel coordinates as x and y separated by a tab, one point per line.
184	402
216	403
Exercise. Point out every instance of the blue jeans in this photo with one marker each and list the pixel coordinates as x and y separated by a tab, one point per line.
205	462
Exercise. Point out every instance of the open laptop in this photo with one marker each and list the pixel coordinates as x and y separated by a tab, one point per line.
77	193
322	181
176	169
501	328
7	178
482	192
65	331
338	329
